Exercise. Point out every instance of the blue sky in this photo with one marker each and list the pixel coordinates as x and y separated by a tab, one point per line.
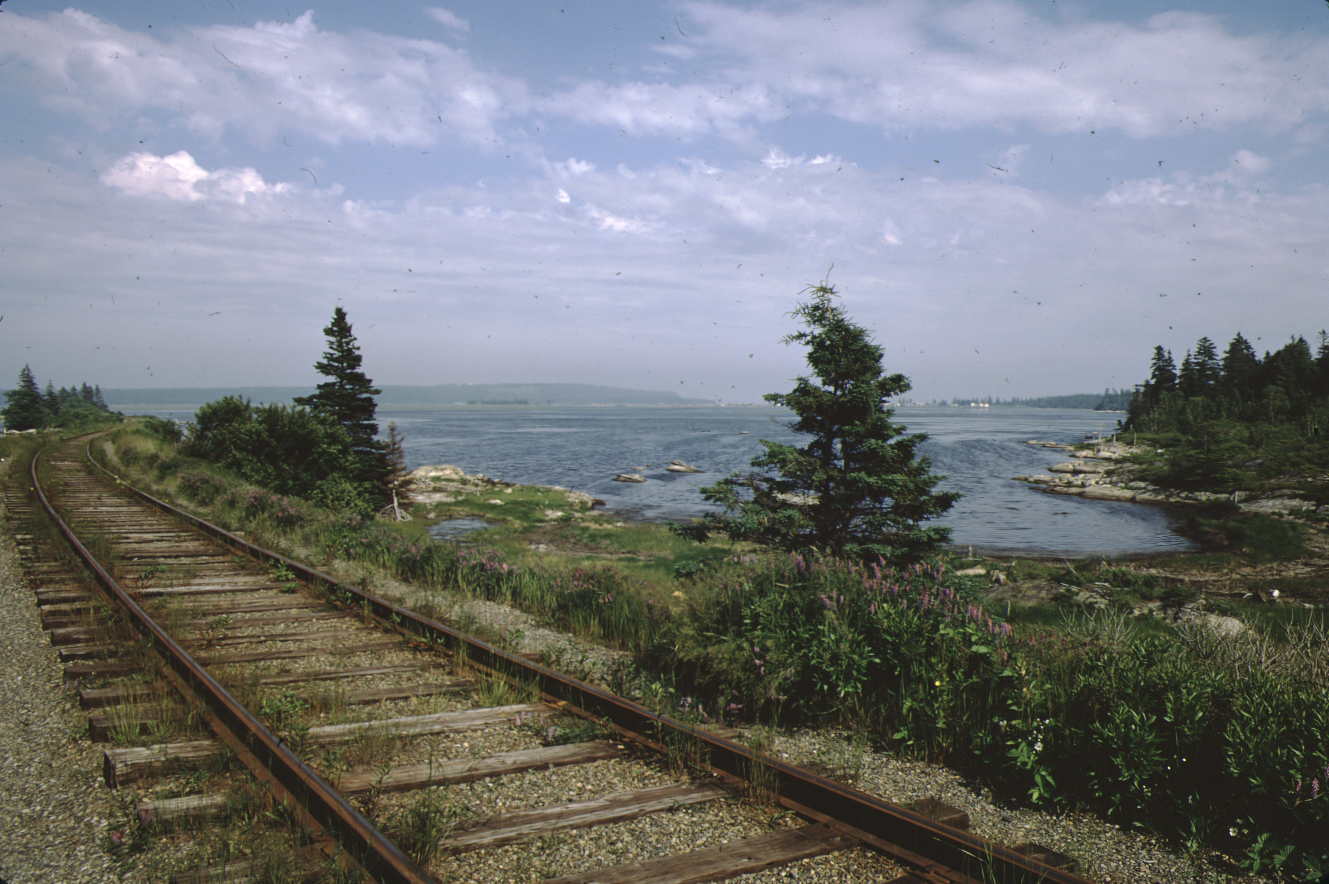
1018	198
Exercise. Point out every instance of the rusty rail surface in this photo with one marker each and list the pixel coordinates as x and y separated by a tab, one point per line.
909	837
262	752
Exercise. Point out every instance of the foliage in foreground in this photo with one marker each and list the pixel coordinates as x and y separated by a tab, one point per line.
858	489
1187	738
287	450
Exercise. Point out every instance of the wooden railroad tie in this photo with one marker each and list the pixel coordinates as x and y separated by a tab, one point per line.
723	861
100	726
939	812
525	825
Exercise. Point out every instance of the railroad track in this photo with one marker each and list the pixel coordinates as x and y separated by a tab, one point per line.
297	698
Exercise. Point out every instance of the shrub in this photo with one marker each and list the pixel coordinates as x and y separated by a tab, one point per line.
202	487
1149	731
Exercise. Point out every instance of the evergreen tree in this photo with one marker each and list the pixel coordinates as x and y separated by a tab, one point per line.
1208	371
396	476
52	400
347	397
25	407
1322	363
1240	366
1292	369
1162	375
858	489
1188	383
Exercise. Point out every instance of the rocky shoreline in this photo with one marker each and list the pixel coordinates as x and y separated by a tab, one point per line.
1102	472
445	483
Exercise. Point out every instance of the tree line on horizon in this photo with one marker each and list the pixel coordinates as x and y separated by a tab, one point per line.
1226	420
1108	400
28	408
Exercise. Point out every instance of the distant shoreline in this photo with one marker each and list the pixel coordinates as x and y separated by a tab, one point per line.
407	396
145	407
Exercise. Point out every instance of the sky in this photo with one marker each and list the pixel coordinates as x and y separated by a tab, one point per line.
1016	198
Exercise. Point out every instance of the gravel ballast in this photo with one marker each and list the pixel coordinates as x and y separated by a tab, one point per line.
57	806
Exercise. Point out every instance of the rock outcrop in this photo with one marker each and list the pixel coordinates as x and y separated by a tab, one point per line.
677	466
445	483
1095	476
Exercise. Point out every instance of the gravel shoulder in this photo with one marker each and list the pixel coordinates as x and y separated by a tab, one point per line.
57	805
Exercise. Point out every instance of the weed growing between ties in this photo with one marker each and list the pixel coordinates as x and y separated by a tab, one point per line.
421	828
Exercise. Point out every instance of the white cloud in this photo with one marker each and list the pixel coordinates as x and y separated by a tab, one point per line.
177	177
898	66
778	159
689	110
664	261
269	78
571	168
1009	160
674	269
448	19
913	65
1249	165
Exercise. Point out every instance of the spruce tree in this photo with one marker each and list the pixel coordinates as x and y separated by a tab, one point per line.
25	407
396	475
858	489
347	398
1162	375
1240	366
1208	370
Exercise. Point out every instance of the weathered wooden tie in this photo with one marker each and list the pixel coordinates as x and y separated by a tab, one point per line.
297	653
939	812
524	825
466	770
418	725
121	766
723	861
183	810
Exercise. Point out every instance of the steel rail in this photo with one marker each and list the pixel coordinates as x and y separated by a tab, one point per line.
890	828
262	751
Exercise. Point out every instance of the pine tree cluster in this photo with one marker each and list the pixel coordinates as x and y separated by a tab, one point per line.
1288	385
1237	420
28	408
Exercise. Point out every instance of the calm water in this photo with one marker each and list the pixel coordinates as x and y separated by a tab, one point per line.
979	450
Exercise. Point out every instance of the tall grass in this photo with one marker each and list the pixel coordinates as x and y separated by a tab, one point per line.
1208	740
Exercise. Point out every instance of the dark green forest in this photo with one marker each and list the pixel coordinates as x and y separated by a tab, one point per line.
1236	420
28	408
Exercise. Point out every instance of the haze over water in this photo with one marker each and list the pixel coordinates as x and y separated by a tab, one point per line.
979	450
